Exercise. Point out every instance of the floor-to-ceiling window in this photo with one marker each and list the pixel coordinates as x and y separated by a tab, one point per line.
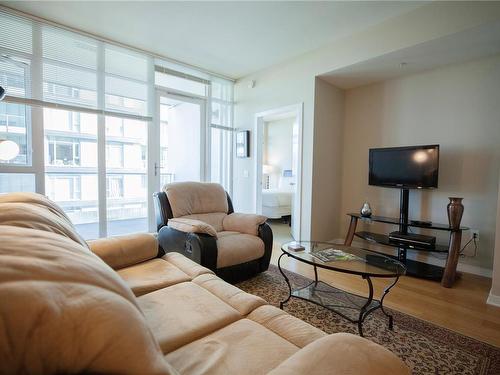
70	144
83	114
196	125
221	132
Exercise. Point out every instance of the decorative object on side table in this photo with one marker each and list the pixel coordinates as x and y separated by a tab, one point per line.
455	211
366	210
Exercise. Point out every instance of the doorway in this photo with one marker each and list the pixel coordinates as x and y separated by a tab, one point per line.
182	139
278	168
177	143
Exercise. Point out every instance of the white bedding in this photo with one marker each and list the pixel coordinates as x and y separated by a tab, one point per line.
276	198
276	203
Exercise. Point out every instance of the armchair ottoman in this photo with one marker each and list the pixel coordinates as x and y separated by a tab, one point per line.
198	220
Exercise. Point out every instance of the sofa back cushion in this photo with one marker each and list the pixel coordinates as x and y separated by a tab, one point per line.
66	311
31	210
191	198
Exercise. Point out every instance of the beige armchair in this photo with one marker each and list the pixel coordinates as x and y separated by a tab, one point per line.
197	220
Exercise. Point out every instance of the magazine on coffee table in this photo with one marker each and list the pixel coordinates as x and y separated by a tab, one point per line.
332	255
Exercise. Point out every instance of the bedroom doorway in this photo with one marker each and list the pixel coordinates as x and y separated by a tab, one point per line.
278	169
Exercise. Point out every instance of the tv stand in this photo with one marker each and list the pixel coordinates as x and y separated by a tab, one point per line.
447	274
404	199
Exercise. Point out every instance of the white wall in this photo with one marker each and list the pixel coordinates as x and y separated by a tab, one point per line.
268	94
328	143
294	82
277	150
457	107
494	297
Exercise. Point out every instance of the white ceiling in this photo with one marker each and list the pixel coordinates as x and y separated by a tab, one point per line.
479	42
229	38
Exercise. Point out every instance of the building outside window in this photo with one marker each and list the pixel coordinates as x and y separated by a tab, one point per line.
14	127
114	186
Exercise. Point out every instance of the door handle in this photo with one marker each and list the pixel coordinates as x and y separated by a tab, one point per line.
156	169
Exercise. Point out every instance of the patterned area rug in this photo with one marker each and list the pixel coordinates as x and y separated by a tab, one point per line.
426	348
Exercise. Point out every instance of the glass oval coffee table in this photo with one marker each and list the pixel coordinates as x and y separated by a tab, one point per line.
345	259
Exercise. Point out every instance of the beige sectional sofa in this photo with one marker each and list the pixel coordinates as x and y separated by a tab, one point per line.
113	306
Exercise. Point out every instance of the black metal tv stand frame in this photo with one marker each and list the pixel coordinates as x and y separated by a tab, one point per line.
447	274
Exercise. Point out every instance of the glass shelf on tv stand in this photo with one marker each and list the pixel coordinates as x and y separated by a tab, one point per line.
395	221
414	268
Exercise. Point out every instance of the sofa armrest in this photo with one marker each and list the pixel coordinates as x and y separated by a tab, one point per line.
192	226
342	353
243	223
122	251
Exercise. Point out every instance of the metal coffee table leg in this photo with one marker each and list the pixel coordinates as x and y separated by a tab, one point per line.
287	282
363	312
386	290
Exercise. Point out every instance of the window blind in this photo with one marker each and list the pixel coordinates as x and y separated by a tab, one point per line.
14	76
15	34
126	82
44	65
221	103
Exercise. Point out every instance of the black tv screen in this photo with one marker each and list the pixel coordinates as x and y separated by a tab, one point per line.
415	167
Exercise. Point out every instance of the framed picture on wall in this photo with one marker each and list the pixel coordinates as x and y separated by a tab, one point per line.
242	141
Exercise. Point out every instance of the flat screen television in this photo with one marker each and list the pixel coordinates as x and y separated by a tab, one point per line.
414	167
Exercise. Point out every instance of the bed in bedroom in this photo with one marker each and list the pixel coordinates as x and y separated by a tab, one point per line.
277	203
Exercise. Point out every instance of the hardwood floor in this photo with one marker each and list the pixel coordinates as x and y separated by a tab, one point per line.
462	308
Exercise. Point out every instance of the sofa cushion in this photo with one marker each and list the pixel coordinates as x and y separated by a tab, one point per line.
183	313
67	311
38	200
285	325
38	216
226	233
342	354
151	275
214	219
238	249
35	255
233	296
123	251
187	198
243	347
186	265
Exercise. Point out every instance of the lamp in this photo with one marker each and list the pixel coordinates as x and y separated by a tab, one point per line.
267	169
8	150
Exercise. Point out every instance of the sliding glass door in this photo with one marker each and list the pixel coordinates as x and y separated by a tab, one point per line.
182	134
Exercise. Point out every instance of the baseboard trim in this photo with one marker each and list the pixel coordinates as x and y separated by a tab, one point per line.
493	300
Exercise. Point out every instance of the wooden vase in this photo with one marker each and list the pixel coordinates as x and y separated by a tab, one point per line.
455	211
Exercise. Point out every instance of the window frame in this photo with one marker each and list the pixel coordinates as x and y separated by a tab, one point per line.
36	85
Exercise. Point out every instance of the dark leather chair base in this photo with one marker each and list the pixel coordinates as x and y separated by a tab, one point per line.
202	248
